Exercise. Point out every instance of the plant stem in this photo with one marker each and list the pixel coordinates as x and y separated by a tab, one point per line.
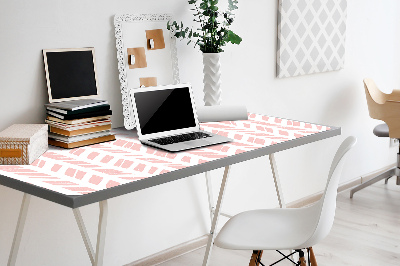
202	22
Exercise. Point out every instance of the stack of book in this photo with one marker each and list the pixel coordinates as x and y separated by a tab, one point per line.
79	123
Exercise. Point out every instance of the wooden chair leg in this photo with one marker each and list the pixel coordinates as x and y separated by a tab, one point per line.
255	257
313	260
302	259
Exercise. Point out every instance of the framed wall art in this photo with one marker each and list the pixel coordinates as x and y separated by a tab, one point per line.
146	53
311	36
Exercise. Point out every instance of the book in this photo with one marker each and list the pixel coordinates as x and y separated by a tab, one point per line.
79	116
79	111
69	127
78	121
77	104
79	137
82	131
81	143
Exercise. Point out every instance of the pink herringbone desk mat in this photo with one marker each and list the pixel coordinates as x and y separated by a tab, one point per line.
101	166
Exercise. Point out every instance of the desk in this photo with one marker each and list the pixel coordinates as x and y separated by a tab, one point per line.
91	174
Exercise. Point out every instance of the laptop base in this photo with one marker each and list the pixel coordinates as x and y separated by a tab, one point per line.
214	139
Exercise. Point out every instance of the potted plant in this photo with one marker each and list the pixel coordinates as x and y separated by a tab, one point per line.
212	35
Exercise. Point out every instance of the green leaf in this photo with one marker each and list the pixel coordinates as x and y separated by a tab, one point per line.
204	5
211	35
213	2
175	25
232	5
233	38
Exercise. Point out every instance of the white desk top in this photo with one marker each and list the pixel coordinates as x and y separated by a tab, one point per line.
93	173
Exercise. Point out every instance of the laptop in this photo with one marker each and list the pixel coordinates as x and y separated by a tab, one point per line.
166	118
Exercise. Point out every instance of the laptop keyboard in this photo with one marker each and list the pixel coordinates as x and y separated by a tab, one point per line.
180	138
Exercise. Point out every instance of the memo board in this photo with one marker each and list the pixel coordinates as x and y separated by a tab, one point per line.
160	63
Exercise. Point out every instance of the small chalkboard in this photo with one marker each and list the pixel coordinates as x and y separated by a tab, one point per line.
70	74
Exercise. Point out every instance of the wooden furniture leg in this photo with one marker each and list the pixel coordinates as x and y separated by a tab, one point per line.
302	259
255	258
313	260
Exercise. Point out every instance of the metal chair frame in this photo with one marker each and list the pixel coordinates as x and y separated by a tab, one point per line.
288	257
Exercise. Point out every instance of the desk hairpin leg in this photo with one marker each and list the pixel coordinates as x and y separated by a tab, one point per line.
211	198
210	194
85	236
95	258
278	187
277	181
19	230
215	217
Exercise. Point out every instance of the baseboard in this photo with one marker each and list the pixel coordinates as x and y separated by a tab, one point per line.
172	252
342	187
315	197
369	176
200	242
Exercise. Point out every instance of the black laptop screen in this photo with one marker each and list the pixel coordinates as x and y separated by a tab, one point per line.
164	110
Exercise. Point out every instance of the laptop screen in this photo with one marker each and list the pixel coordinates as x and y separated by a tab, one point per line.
164	110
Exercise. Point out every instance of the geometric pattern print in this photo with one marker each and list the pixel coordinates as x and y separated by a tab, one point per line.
101	166
311	36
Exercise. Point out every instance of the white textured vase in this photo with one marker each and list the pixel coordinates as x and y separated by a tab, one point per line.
212	75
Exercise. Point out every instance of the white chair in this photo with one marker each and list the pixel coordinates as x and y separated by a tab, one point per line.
287	229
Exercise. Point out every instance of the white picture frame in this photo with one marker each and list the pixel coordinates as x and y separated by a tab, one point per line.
163	64
311	37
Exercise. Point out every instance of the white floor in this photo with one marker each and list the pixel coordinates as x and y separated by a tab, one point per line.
366	232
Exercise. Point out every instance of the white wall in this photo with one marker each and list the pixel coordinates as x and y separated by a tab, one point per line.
145	222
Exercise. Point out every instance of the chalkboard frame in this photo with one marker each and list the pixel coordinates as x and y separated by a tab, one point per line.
46	66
